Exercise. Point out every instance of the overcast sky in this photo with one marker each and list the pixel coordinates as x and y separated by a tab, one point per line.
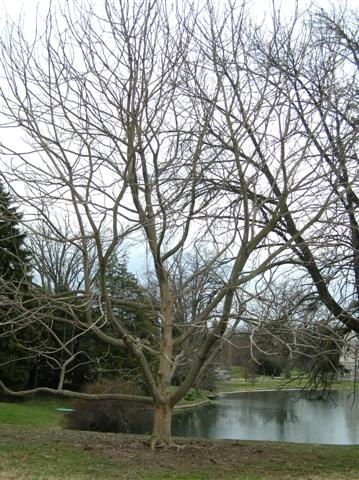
14	7
33	8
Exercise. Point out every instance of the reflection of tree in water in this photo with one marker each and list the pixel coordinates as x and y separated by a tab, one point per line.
269	407
277	408
279	416
197	422
351	413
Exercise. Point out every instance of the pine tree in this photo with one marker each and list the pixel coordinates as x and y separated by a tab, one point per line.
131	303
135	306
13	254
14	281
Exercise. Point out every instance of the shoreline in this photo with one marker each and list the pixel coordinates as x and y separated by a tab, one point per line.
211	398
256	390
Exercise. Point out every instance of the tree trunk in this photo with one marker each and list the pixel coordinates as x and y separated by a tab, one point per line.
161	436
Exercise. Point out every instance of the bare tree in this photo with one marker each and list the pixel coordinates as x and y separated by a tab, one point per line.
56	263
288	326
317	71
164	126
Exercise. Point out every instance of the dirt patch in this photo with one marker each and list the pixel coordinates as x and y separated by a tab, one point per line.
192	454
132	453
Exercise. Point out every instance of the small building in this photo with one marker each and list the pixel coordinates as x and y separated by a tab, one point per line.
349	358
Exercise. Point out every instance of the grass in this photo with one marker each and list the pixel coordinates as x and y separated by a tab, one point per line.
238	383
39	454
34	412
53	461
34	447
261	383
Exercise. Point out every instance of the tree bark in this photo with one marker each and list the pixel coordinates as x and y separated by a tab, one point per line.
161	435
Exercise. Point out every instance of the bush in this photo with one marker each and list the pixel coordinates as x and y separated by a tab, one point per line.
111	415
192	395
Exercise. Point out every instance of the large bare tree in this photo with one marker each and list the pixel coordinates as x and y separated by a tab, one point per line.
165	127
319	73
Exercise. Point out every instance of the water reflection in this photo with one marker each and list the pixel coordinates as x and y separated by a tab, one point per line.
281	416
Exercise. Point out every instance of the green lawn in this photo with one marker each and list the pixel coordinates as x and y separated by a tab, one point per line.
238	383
53	454
41	461
35	412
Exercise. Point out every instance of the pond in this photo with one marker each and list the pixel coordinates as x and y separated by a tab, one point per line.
286	416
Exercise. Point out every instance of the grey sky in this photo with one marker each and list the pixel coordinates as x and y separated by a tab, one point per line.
29	7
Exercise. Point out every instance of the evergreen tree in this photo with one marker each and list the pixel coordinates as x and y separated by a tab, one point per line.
14	258
94	359
131	304
15	363
127	295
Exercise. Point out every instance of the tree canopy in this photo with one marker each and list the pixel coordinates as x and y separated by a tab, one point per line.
184	131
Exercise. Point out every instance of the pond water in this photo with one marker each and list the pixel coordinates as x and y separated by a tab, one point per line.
286	416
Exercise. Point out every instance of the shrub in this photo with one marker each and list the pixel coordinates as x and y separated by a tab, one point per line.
111	415
192	395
